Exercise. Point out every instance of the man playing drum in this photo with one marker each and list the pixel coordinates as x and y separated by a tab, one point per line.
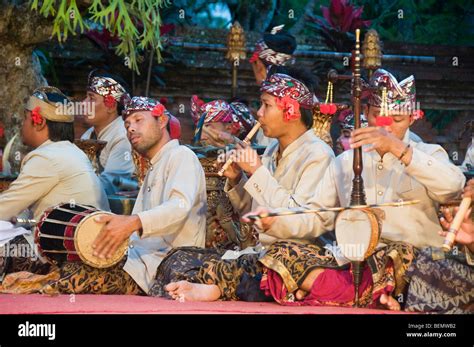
170	210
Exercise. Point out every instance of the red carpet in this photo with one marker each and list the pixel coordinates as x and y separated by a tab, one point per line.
116	304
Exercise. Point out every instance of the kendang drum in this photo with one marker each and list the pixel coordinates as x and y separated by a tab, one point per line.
358	232
67	232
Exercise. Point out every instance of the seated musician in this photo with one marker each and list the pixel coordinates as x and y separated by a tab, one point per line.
219	123
285	176
428	290
394	168
274	49
346	122
55	171
107	96
169	212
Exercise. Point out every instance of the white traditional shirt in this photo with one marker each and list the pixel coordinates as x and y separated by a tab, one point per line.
53	173
288	183
115	158
172	207
430	177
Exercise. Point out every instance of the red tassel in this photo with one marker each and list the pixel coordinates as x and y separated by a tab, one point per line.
383	121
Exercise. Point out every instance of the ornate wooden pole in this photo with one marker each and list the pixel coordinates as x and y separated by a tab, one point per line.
358	193
372	52
235	52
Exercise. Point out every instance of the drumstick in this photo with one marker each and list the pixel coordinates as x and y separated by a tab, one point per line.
456	224
330	209
247	140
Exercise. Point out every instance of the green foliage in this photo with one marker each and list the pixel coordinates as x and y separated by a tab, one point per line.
135	22
282	14
425	22
440	119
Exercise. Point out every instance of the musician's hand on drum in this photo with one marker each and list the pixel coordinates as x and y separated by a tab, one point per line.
116	230
262	223
465	234
247	158
377	137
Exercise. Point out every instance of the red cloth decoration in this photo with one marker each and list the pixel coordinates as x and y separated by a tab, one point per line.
36	115
175	127
109	101
383	121
158	110
331	287
290	106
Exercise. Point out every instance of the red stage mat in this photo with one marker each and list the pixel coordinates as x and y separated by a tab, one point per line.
117	304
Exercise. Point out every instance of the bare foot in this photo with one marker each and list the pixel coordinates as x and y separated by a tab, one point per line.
389	302
310	278
300	294
187	291
307	284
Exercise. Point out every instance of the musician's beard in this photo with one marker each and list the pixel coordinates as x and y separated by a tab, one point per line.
145	144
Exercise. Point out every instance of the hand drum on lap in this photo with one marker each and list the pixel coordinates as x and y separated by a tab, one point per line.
357	233
66	233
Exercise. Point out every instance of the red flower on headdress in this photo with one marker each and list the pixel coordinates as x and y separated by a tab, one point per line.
109	101
383	121
328	108
290	106
158	110
36	115
418	114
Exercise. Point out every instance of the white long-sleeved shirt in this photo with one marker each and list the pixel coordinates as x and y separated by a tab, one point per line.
53	173
289	184
172	207
430	177
115	158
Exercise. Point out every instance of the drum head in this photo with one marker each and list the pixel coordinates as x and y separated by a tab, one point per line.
54	234
86	233
356	233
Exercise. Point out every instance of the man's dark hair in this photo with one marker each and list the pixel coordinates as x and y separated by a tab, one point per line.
307	78
103	73
59	131
281	42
